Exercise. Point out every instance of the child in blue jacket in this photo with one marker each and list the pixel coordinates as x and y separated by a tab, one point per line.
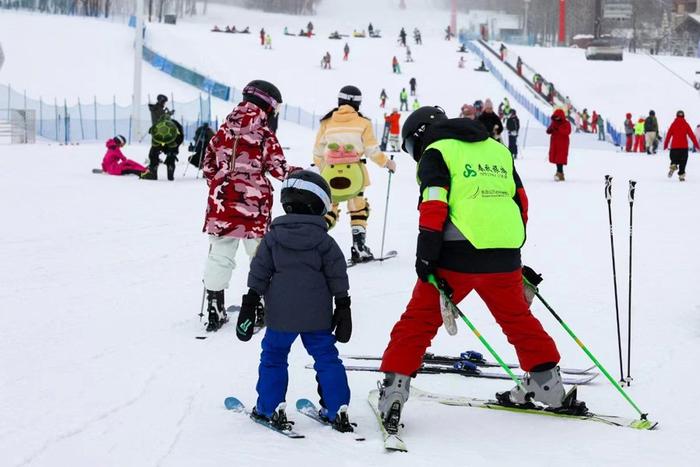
300	269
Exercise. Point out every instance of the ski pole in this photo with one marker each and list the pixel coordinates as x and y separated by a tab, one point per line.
591	356
630	196
386	212
608	197
443	287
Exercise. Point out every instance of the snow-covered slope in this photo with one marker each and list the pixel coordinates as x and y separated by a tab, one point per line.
101	285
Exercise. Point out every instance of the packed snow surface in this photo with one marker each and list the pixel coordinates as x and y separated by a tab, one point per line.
102	286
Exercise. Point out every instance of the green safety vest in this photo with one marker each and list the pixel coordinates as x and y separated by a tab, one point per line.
403	96
482	188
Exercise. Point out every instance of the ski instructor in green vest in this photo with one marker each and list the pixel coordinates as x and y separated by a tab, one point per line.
473	211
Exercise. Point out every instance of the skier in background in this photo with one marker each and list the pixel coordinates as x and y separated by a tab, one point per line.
345	125
346	52
470	243
409	56
490	120
402	37
651	131
403	100
415	105
513	128
158	109
639	136
202	136
382	98
166	137
394	128
395	67
299	297
262	36
268	42
519	66
594	122
412	86
584	120
239	204
629	132
601	128
559	131
115	163
417	36
677	138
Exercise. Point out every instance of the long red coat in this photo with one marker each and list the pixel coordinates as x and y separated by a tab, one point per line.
678	134
236	161
559	131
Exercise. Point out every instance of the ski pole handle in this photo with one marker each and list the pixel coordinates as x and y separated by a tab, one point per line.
630	193
608	187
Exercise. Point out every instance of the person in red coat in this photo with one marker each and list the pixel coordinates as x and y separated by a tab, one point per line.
677	138
559	131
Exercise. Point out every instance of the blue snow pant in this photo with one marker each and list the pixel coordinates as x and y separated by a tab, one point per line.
273	377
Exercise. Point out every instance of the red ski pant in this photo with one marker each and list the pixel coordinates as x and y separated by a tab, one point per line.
639	143
628	143
503	295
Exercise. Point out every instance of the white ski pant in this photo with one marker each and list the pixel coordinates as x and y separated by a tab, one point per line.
221	260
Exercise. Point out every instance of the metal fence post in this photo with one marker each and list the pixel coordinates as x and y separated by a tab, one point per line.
299	115
130	118
9	99
114	113
96	137
41	116
66	122
58	118
80	114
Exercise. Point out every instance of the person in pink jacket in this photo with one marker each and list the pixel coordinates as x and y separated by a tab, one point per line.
115	163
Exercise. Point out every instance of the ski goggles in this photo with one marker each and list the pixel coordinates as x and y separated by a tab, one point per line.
274	105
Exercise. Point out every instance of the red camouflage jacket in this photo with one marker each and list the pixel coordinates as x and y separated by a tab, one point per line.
236	161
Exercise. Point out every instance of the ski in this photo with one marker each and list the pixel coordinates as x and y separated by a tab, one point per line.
388	255
392	442
612	420
235	405
98	171
308	408
471	372
470	356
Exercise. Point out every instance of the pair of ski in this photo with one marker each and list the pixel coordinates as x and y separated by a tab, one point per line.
393	442
469	358
304	407
388	255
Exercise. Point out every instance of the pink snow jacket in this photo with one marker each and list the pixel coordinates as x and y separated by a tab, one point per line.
236	161
115	162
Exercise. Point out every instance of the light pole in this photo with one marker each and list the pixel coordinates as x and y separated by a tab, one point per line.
138	58
527	10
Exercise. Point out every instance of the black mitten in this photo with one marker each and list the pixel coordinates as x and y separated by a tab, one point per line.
531	280
246	318
342	320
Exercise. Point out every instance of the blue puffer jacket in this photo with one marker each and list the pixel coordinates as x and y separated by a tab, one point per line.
299	268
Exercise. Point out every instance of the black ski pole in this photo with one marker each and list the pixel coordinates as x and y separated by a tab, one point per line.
630	197
608	197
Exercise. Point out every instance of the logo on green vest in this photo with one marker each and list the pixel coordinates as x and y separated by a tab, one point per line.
468	171
492	171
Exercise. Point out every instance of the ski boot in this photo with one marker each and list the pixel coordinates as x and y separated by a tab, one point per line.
544	387
342	422
681	177
278	420
393	394
170	164
259	317
216	310
151	173
559	177
672	169
360	253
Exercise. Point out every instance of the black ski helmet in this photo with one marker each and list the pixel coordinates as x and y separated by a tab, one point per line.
350	95
415	126
306	192
263	94
162	98
120	139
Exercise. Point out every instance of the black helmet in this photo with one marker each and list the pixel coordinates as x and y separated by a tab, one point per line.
652	113
478	105
306	192
120	139
162	98
263	94
350	95
415	126
680	113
